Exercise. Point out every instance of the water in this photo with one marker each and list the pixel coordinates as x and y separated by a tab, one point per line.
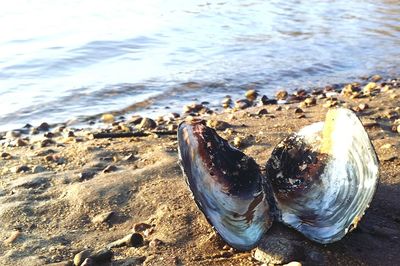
62	59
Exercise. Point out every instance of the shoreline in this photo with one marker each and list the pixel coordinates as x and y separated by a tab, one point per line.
64	190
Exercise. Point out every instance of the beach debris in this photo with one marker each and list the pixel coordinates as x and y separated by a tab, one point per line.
12	238
131	240
281	95
304	171
107	118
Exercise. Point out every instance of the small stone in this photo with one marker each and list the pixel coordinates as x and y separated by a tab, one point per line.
81	257
262	112
376	78
6	156
386	146
218	125
147	123
226	102
155	243
136	119
298	111
310	101
370	87
274	250
281	95
43	127
47	142
242	104
301	116
278	108
266	101
389	158
38	169
140	227
107	118
45	152
251	95
22	169
21	143
88	262
110	168
103	217
102	256
192	108
237	141
363	106
131	240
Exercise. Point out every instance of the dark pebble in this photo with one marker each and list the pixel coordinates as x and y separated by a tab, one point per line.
47	142
110	168
147	123
266	101
86	175
242	104
140	227
262	112
22	168
102	256
156	243
298	111
43	127
49	135
6	155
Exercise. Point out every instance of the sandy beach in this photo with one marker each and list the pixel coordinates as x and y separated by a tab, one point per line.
66	190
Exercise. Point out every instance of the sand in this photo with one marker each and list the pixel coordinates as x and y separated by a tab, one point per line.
72	204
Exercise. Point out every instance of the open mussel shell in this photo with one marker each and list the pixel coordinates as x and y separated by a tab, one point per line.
324	177
226	184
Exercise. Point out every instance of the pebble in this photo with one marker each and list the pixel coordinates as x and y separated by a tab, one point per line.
156	243
218	125
140	227
22	168
262	112
47	142
266	101
310	101
298	111
192	108
274	250
281	95
147	123
110	168
81	257
278	108
226	102
21	143
131	240
6	156
376	78
107	118
38	169
102	256
103	217
242	104
237	141
43	127
251	95
88	262
370	87
136	119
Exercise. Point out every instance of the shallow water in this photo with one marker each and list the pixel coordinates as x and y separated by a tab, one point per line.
65	59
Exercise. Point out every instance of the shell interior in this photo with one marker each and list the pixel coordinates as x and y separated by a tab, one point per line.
226	185
324	177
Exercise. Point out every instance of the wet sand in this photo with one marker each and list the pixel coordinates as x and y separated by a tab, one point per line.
87	192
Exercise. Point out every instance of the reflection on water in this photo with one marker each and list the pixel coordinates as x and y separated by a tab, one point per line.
60	59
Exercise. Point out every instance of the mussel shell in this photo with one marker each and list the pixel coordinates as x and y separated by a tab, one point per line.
325	176
226	184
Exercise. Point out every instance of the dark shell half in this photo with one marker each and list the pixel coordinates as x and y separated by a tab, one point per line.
325	176
226	185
